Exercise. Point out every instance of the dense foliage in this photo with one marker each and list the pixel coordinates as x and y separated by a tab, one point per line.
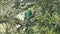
45	21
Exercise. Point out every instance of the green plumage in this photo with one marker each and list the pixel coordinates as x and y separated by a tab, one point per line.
28	13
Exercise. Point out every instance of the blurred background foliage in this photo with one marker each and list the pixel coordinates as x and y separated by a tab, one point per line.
46	20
